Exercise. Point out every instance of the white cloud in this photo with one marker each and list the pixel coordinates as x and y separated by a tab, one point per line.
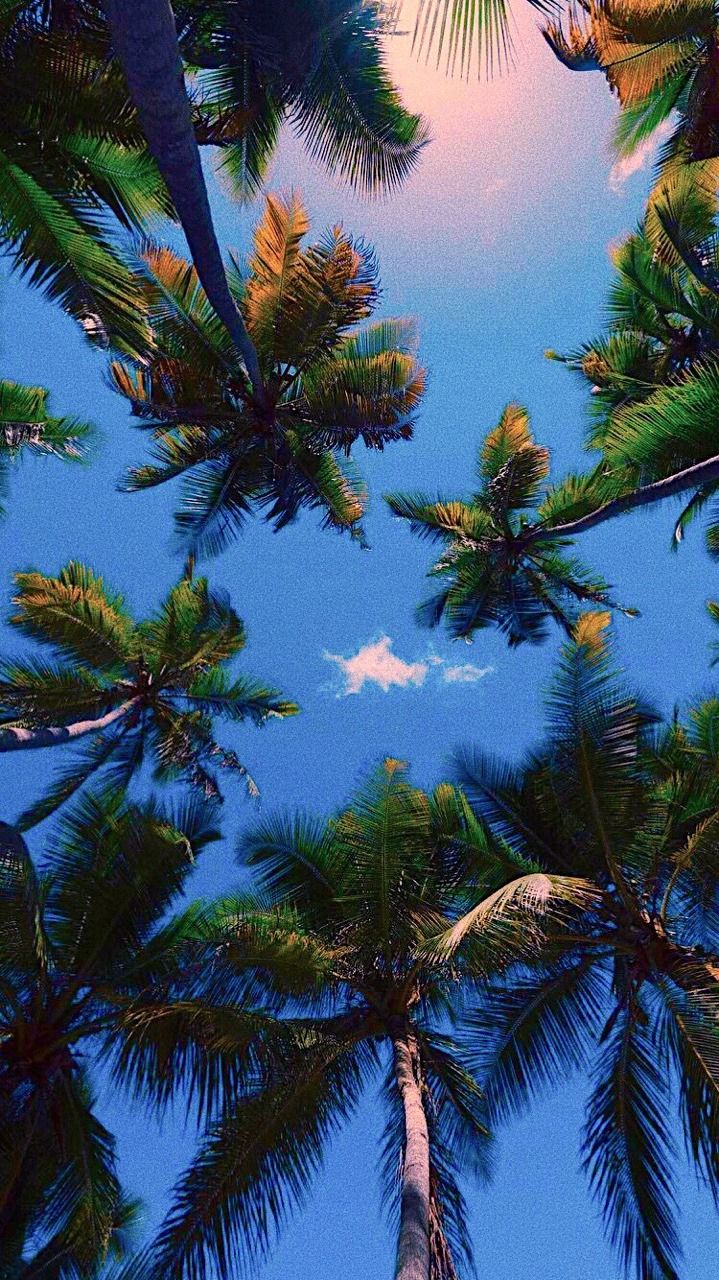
639	159
467	673
376	664
494	187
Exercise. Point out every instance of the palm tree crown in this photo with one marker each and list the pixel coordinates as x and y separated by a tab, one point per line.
328	384
320	66
489	576
150	689
363	934
81	940
632	992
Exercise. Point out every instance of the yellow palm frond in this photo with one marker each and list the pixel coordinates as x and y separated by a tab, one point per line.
274	264
641	46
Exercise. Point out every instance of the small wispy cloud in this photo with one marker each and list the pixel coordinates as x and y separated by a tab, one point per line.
640	158
494	187
466	673
375	663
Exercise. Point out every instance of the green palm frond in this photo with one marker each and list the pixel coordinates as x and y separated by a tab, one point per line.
24	941
274	944
510	447
351	117
84	1201
237	700
304	299
296	859
115	756
670	428
194	630
47	691
463	33
529	1036
75	615
86	945
628	1150
239	111
116	870
256	69
694	1043
133	692
178	311
435	520
75	169
65	255
26	423
330	383
189	1038
257	1163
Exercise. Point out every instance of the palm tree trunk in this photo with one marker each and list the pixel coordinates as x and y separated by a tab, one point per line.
144	37
413	1252
693	477
15	738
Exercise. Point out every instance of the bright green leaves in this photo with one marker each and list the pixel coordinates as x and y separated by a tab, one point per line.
671	428
511	465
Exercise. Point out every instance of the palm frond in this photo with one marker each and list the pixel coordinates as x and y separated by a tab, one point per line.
75	615
257	1163
529	1036
628	1149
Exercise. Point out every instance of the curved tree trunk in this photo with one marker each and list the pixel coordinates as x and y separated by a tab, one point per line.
19	739
144	37
693	477
413	1250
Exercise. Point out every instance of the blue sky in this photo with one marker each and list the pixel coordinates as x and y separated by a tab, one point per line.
499	246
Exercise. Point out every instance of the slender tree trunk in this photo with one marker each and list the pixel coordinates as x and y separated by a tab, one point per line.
413	1252
144	37
701	473
18	739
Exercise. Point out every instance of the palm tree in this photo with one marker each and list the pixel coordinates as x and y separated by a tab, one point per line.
632	993
319	66
343	930
656	384
491	572
327	383
144	36
73	165
27	429
82	941
662	61
151	689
